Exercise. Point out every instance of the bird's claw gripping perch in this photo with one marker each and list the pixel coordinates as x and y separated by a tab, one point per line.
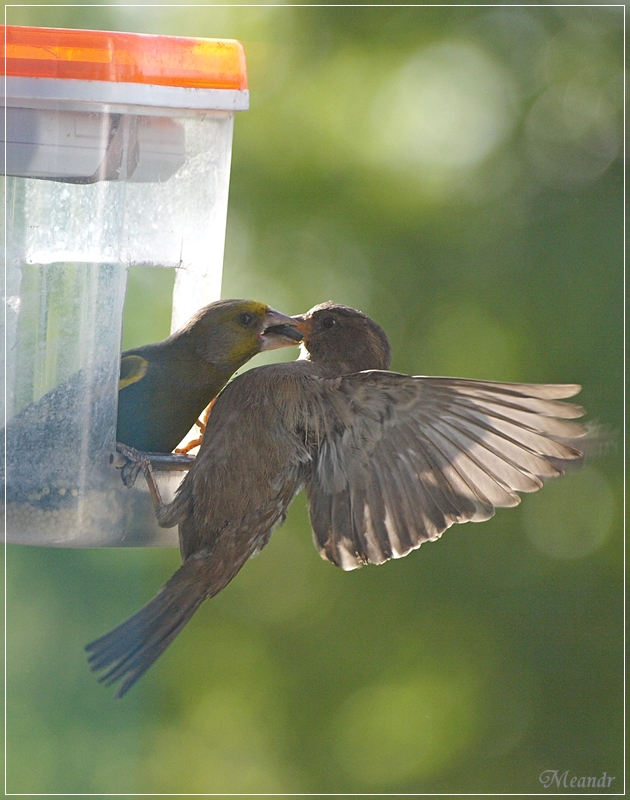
131	463
138	462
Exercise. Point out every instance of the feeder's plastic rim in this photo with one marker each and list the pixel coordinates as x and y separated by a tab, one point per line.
131	58
123	98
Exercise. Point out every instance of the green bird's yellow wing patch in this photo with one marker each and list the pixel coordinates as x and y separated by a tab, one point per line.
132	370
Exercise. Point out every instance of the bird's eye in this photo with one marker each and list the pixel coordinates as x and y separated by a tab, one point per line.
245	319
329	322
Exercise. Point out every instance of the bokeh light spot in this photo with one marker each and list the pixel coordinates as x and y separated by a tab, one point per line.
573	517
390	733
222	746
449	106
573	133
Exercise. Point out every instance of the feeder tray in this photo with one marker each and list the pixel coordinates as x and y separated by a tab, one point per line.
118	152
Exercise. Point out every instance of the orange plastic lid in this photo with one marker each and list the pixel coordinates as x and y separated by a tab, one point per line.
123	57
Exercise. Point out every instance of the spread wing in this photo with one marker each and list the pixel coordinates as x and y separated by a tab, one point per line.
406	457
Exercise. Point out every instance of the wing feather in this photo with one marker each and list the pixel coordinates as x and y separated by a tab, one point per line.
402	458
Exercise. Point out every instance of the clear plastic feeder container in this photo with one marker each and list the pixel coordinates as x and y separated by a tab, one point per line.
118	153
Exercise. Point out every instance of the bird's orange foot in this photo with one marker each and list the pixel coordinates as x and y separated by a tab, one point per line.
191	444
201	424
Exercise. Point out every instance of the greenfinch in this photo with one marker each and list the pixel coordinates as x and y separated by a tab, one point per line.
388	461
165	386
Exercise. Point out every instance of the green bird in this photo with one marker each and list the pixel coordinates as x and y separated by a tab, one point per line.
165	386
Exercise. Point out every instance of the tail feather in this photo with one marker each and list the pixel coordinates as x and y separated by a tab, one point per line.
127	651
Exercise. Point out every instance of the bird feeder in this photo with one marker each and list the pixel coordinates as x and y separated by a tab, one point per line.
118	152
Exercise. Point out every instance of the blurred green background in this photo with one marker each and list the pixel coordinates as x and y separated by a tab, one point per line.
455	172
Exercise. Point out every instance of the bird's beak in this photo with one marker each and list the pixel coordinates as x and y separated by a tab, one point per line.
302	324
279	331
